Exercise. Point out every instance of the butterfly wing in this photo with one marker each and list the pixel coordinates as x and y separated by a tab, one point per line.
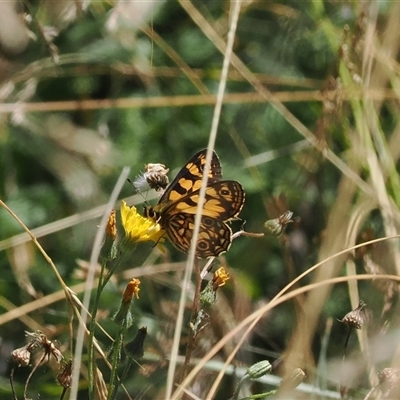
178	205
223	200
214	235
188	179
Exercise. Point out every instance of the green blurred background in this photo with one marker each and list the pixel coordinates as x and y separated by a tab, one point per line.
106	85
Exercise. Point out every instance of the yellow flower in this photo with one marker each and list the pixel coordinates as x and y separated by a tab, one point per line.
220	277
138	228
209	293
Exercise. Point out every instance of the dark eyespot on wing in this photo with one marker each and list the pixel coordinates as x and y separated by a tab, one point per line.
214	235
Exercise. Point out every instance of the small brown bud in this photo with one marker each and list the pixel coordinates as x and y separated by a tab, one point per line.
132	289
219	279
124	316
111	228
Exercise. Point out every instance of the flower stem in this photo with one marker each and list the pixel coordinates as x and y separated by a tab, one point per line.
116	358
103	280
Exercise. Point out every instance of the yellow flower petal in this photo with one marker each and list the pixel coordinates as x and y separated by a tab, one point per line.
138	228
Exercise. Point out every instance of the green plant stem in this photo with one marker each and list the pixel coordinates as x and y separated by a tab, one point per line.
112	392
239	385
103	280
92	326
259	395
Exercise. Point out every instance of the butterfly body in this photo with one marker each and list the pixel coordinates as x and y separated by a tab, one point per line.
177	207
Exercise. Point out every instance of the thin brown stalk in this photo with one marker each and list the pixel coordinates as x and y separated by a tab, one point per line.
12	383
32	372
187	101
37	244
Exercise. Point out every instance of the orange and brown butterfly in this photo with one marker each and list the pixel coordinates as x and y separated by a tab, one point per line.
176	209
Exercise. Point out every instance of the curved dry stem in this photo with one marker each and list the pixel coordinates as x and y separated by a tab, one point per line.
28	379
45	255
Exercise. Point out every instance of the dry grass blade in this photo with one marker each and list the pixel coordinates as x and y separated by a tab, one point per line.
64	223
90	281
210	148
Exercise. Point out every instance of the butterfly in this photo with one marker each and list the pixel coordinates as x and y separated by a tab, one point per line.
176	209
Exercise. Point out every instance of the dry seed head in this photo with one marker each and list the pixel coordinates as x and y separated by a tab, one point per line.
21	356
39	339
355	318
64	378
277	225
50	349
389	381
156	176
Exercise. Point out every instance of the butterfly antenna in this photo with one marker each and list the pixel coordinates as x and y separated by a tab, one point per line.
138	190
